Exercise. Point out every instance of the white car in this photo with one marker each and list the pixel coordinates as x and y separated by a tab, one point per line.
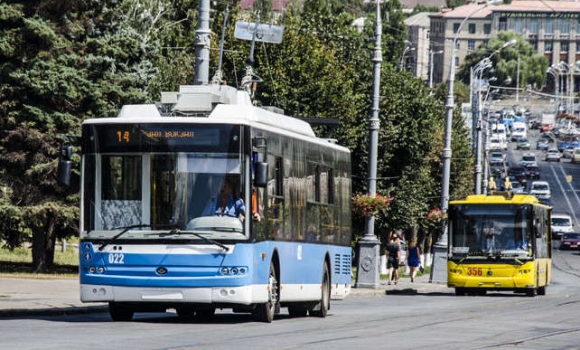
561	223
496	158
568	152
528	159
553	155
541	189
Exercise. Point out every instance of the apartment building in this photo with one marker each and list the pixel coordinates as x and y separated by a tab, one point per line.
552	27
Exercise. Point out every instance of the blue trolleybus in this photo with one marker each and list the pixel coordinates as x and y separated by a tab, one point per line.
148	241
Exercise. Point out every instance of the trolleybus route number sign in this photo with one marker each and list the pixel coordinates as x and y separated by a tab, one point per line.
474	271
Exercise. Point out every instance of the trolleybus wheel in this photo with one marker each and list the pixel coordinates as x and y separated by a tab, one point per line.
459	292
265	312
120	312
542	290
532	292
321	309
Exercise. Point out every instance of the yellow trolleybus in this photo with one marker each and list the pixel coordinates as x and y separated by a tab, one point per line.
499	243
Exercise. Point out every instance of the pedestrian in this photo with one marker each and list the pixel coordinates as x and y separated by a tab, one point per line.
413	258
393	252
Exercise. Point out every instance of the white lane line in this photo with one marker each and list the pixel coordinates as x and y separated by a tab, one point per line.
553	168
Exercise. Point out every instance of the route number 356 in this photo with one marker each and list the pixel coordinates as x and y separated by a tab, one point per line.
474	271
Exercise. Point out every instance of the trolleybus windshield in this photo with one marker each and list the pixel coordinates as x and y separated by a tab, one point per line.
490	230
167	177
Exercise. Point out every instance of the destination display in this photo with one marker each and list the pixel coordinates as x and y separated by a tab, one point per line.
159	137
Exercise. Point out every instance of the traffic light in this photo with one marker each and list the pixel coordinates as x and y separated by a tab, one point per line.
64	165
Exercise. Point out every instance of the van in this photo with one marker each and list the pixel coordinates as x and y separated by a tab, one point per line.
575	156
561	223
499	131
519	131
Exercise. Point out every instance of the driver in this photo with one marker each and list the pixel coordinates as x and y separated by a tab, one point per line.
224	203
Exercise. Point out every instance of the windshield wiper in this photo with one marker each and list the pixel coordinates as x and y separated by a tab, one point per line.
208	240
126	229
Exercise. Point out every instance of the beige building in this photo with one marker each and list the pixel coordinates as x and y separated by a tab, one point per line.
552	27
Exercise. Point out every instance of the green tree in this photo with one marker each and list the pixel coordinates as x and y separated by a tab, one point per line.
507	62
61	62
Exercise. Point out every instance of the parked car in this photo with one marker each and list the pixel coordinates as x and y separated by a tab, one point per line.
553	155
542	144
523	144
570	241
534	172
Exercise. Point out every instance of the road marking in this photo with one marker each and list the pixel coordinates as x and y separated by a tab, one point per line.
564	192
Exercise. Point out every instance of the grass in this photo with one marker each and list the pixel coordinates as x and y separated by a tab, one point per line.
18	263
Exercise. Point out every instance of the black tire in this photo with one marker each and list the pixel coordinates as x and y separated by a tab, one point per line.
321	309
459	292
120	312
265	312
532	292
542	290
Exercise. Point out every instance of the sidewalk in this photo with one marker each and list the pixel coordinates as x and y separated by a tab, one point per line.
28	297
34	297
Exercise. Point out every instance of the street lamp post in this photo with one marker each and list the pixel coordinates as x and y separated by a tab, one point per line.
554	72
431	54
477	124
438	270
402	61
368	268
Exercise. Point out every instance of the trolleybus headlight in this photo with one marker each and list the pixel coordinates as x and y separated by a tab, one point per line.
225	271
234	270
242	270
92	269
100	269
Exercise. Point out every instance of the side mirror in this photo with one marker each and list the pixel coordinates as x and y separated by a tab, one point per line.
261	174
64	165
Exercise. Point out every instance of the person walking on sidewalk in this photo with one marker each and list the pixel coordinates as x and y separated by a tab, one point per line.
413	258
393	253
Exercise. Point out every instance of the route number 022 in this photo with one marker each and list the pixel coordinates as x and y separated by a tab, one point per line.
116	258
474	271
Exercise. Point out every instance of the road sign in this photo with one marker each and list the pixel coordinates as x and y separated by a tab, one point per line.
264	32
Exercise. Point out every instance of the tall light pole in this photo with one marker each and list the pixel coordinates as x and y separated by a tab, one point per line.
478	74
439	269
367	275
408	48
431	54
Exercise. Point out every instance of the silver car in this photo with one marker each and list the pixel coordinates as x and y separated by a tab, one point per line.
553	155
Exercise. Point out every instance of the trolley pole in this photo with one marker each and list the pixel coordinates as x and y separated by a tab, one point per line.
368	268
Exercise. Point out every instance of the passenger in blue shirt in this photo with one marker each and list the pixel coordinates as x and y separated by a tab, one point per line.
225	204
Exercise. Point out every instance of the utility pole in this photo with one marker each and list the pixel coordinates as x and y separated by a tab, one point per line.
368	269
202	45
